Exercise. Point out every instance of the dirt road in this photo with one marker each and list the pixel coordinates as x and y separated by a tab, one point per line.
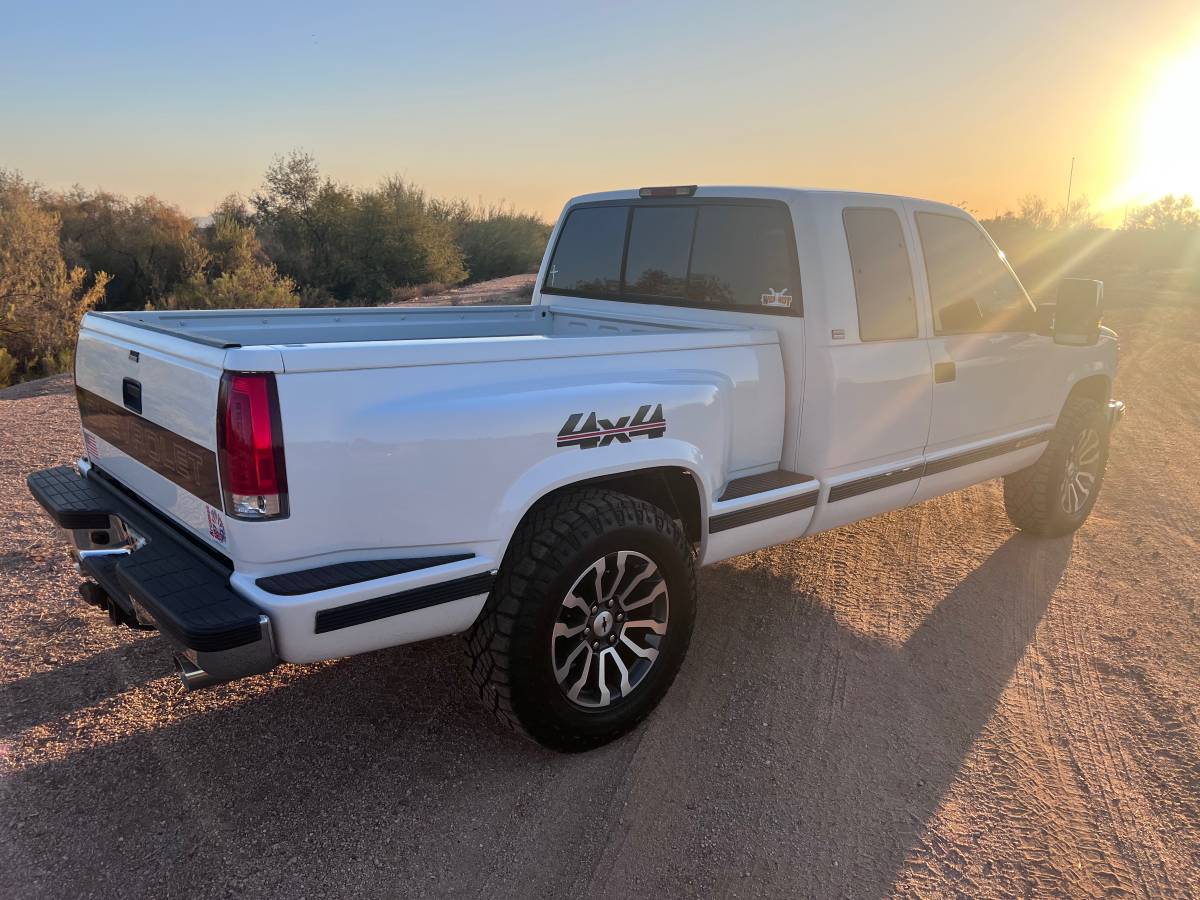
927	704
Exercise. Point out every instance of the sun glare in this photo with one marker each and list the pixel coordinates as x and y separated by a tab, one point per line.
1168	160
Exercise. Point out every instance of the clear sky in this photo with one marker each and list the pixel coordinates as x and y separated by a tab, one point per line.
534	102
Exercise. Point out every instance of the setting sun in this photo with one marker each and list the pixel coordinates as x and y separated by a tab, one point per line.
1168	155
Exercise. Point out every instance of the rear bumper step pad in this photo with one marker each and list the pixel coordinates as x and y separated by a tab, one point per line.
180	586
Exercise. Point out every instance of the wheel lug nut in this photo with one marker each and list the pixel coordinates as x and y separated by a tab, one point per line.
612	638
594	608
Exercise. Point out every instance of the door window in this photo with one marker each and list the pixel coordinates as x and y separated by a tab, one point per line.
971	287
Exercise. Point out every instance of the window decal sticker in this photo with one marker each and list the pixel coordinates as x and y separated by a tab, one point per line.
776	298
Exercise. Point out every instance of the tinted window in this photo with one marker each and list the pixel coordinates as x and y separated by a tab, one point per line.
660	240
744	256
695	254
587	257
882	274
970	286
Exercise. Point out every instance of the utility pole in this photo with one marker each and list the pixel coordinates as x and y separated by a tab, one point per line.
1070	180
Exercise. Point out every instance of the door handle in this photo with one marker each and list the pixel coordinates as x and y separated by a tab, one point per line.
944	372
131	393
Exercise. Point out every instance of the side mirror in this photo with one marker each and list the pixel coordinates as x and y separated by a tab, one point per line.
1077	312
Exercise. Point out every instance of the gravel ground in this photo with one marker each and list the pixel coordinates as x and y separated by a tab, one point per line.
511	289
927	703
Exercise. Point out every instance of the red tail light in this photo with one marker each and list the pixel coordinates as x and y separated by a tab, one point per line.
250	439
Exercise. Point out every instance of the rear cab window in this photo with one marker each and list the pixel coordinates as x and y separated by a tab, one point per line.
716	254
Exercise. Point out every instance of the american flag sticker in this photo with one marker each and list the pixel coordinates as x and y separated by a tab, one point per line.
89	444
216	525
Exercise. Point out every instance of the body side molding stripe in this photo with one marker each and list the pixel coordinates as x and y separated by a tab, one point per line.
750	515
351	614
323	578
933	467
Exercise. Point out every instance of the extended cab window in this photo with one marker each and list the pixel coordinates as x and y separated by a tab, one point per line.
971	287
718	254
744	256
883	282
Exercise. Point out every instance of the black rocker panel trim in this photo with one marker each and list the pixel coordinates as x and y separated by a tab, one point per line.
875	482
933	467
766	481
174	457
753	514
324	578
404	602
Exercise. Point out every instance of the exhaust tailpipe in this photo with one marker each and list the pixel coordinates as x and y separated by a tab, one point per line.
93	595
191	675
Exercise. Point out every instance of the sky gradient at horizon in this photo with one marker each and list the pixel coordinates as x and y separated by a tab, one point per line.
531	103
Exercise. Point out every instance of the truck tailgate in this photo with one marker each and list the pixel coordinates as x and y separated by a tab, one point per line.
148	404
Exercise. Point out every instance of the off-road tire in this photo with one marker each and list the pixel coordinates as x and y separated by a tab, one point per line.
1032	495
509	644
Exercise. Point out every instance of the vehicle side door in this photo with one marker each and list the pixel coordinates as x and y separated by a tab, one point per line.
868	395
989	364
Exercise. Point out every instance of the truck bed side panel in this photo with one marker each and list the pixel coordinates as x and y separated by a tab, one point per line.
430	456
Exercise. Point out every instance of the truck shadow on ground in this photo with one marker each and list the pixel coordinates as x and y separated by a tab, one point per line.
794	756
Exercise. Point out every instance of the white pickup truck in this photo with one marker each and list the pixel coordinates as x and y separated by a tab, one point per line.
702	372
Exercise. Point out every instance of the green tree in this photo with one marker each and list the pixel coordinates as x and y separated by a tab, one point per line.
235	272
1034	211
1078	215
1169	213
41	299
352	246
147	245
498	241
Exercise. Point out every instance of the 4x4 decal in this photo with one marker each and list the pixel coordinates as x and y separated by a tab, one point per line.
596	432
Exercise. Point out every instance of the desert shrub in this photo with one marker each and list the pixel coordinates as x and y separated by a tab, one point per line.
314	296
235	271
248	287
355	245
1169	213
41	299
8	367
147	246
498	242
